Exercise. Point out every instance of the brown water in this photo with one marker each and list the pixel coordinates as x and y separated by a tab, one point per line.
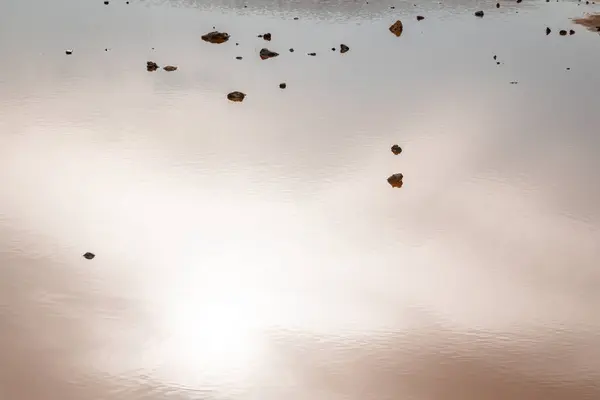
255	250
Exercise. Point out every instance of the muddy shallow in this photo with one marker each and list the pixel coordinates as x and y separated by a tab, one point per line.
254	250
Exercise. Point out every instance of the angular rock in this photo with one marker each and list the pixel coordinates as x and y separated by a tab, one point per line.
571	32
420	18
266	53
89	255
344	48
397	28
396	180
548	30
170	68
151	66
236	96
396	149
479	14
282	85
216	37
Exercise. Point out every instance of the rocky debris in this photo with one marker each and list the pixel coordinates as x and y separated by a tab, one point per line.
216	37
548	30
479	14
170	68
396	149
562	33
282	85
267	36
238	58
236	96
151	66
344	48
266	53
420	18
88	255
397	28
396	180
571	32
312	54
68	52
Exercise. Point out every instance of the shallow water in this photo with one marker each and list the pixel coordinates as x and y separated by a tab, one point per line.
255	250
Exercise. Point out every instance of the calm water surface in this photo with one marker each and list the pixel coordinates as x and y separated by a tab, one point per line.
255	250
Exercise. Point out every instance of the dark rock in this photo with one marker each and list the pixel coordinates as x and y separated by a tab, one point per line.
170	68
548	30
89	256
126	2
344	48
420	18
495	57
151	66
296	18
396	180
238	58
106	3
397	28
562	33
497	5
392	7
568	69
69	52
514	82
518	1
266	53
267	36
105	49
237	44
396	149
497	62
333	49
291	50
479	14
236	96
282	85
216	37
312	54
571	32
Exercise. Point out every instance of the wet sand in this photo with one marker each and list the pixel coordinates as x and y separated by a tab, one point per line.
254	249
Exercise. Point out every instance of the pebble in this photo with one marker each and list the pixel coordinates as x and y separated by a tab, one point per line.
89	256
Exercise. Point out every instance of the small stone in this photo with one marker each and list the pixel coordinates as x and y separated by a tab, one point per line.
497	5
105	49
497	62
236	96
518	1
296	18
89	256
514	82
238	58
237	44
396	180
216	37
266	53
568	69
548	30
282	85
267	36
495	56
312	54
151	66
170	68
333	49
396	149
397	28
420	18
479	14
126	2
69	52
291	50
571	32
344	48
106	3
392	7
562	33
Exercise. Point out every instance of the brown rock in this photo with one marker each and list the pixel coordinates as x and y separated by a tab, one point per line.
266	53
216	37
344	48
236	96
396	180
396	149
151	66
397	28
170	68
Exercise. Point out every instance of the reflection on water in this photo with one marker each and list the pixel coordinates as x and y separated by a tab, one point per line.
255	249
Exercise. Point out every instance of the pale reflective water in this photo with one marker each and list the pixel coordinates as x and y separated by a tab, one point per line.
255	250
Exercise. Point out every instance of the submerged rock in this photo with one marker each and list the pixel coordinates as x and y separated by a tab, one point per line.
216	37
562	33
396	180
479	14
236	96
266	53
397	28
344	48
170	68
396	149
282	85
89	255
548	30
151	66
